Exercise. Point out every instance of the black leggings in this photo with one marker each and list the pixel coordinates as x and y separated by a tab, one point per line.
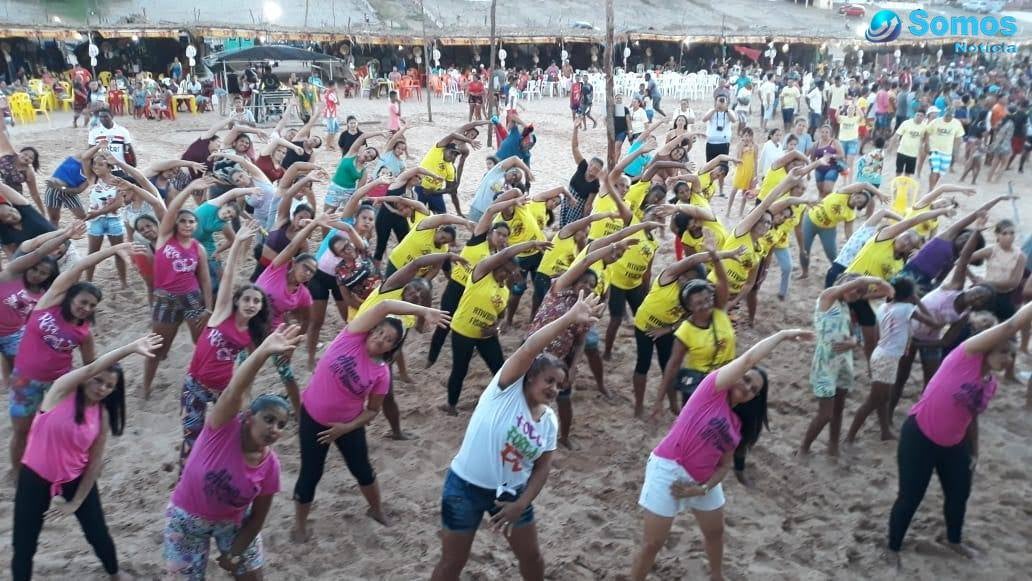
387	222
462	353
449	302
663	346
313	457
917	457
619	297
31	501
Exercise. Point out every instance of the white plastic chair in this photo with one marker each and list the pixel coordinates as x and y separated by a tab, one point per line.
533	90
451	90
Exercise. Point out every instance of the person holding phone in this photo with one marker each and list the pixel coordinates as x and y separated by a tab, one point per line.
718	122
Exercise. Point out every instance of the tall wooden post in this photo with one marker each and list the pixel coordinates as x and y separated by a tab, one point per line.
426	66
492	108
612	153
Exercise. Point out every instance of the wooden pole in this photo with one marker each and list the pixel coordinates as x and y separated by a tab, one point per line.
493	106
426	66
612	152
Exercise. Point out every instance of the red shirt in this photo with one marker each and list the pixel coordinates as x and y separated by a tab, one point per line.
475	87
269	168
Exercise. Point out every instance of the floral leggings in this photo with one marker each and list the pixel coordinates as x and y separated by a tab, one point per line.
188	541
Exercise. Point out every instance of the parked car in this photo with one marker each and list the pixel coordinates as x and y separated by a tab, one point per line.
852	10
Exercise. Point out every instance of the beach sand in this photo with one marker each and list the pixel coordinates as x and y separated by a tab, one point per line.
812	519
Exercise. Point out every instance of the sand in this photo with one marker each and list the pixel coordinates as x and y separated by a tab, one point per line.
814	519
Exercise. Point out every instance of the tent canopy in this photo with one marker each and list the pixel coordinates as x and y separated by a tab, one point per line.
269	53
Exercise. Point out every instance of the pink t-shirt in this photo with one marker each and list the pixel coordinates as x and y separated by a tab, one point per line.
16	302
175	267
216	351
343	378
217	483
704	431
940	303
45	352
954	396
58	448
394	116
273	281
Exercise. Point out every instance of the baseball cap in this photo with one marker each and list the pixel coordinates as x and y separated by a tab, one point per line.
933	109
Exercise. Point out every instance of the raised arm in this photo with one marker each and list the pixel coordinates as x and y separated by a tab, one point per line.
957	227
12	196
211	132
732	373
988	340
575	144
65	280
282	340
355	201
168	222
836	293
586	311
436	220
959	275
47	243
68	383
297	243
395	139
224	300
894	230
627	160
405	274
497	259
675	270
371	318
929	198
576	270
583	223
360	141
754	215
306	129
494	209
270	147
879	215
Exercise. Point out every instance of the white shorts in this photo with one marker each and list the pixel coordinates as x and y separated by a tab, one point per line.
656	497
884	367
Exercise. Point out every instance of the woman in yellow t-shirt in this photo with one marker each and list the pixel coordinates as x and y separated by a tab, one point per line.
431	234
691	225
786	214
610	202
404	285
931	201
475	323
883	256
659	314
525	225
488	238
630	274
566	244
823	219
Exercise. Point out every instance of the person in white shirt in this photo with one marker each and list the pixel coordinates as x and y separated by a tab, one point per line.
815	102
119	140
638	119
768	97
836	97
506	453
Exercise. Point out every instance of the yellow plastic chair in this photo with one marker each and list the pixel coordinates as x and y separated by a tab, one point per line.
36	86
21	108
904	193
69	98
105	77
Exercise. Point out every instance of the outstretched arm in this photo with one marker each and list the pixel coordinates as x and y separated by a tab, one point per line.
282	340
957	227
733	372
497	259
65	280
68	383
371	318
898	228
43	245
405	274
987	340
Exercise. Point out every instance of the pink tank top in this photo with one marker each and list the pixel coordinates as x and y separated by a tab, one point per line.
217	349
58	448
175	267
16	302
45	352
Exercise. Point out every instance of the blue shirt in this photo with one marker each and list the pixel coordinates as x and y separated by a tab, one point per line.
325	244
510	146
636	167
70	172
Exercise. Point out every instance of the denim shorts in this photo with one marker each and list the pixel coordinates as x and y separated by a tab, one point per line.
826	174
9	343
106	226
463	505
337	196
591	340
851	146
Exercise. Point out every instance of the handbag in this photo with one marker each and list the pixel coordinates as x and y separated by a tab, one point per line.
688	380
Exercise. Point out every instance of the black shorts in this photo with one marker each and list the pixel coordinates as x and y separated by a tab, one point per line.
905	165
864	313
322	285
715	149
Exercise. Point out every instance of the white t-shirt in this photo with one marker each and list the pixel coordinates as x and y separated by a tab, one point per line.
837	96
767	91
118	137
639	120
815	100
894	328
770	153
101	195
502	439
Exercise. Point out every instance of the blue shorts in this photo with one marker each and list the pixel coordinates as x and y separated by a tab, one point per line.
337	196
826	174
851	146
591	340
9	343
882	120
332	125
463	505
106	226
939	162
433	200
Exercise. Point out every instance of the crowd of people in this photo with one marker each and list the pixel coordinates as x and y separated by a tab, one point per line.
223	238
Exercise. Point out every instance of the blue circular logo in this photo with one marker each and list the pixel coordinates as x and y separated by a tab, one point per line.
885	27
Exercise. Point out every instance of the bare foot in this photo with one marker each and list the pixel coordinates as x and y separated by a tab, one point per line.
569	444
404	378
958	548
888	436
378	516
833	450
639	412
448	409
608	356
892	558
300	536
743	478
400	436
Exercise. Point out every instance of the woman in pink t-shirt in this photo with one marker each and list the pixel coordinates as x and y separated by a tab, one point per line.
686	468
345	393
239	321
182	282
941	433
284	284
22	284
58	325
66	453
229	481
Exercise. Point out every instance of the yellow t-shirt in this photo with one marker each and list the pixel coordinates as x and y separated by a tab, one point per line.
771	179
559	257
910	135
628	272
480	306
849	127
832	210
375	297
523	227
942	135
707	188
790	98
708	347
434	161
599	268
788	226
599	229
416	218
738	269
415	244
924	229
695	245
473	253
539	210
661	307
876	258
635	197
